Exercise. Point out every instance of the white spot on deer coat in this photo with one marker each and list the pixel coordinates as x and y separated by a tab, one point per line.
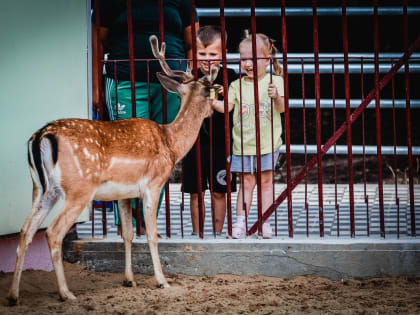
86	152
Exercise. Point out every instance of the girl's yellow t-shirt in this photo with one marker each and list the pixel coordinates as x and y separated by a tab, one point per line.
247	115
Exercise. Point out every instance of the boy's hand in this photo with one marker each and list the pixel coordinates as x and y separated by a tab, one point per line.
220	106
272	91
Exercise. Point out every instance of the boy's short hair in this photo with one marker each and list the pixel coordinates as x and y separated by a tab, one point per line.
209	33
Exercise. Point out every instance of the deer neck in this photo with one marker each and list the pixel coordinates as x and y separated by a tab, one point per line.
183	131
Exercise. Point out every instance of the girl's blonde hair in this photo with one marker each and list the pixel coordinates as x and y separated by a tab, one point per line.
267	43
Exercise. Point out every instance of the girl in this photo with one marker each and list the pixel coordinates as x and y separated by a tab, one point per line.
244	114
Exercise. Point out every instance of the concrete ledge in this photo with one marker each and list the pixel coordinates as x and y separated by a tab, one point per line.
334	259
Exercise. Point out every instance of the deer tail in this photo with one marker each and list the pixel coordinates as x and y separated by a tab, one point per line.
39	156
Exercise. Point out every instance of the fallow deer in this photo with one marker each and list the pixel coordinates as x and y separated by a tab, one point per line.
82	160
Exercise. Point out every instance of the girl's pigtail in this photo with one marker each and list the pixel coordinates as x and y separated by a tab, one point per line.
278	70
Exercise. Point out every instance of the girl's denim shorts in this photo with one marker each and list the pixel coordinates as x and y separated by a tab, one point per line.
250	162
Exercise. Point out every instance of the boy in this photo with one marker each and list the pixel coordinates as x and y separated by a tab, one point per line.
209	53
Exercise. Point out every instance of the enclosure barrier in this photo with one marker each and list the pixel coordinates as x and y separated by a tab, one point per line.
406	64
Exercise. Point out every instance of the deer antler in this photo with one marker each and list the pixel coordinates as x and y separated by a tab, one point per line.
209	78
160	55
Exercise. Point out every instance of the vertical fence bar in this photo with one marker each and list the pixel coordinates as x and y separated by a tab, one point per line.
348	112
378	118
337	206
198	141
272	148
133	91
131	57
181	207
318	117
395	165
104	223
92	218
287	118
408	123
100	85
244	205
148	89
362	85
305	144
116	93
116	90
227	126
257	115
162	39
213	218
99	55
164	120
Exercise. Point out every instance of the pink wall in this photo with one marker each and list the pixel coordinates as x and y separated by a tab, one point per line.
37	256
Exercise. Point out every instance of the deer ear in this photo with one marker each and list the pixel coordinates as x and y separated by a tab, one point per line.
169	84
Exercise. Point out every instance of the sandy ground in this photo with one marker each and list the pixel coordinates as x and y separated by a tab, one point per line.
102	293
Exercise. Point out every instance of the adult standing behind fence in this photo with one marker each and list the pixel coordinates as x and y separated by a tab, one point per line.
114	38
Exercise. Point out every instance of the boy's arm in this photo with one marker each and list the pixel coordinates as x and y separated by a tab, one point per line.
220	106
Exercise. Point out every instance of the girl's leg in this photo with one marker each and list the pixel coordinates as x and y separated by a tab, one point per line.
267	189
267	199
249	181
245	194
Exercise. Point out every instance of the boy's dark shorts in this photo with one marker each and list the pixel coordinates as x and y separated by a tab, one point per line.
219	171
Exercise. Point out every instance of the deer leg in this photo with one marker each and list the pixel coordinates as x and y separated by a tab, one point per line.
41	206
127	234
150	202
55	235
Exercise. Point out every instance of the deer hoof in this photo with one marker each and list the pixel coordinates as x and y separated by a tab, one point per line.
12	301
67	296
164	285
130	284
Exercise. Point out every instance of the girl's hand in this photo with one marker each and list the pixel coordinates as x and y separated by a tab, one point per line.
272	91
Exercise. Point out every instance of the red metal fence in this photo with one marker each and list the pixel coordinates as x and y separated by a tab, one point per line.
398	69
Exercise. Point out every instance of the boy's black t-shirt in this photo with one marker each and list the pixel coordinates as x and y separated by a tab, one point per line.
218	118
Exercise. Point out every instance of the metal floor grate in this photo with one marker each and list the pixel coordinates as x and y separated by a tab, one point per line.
299	213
